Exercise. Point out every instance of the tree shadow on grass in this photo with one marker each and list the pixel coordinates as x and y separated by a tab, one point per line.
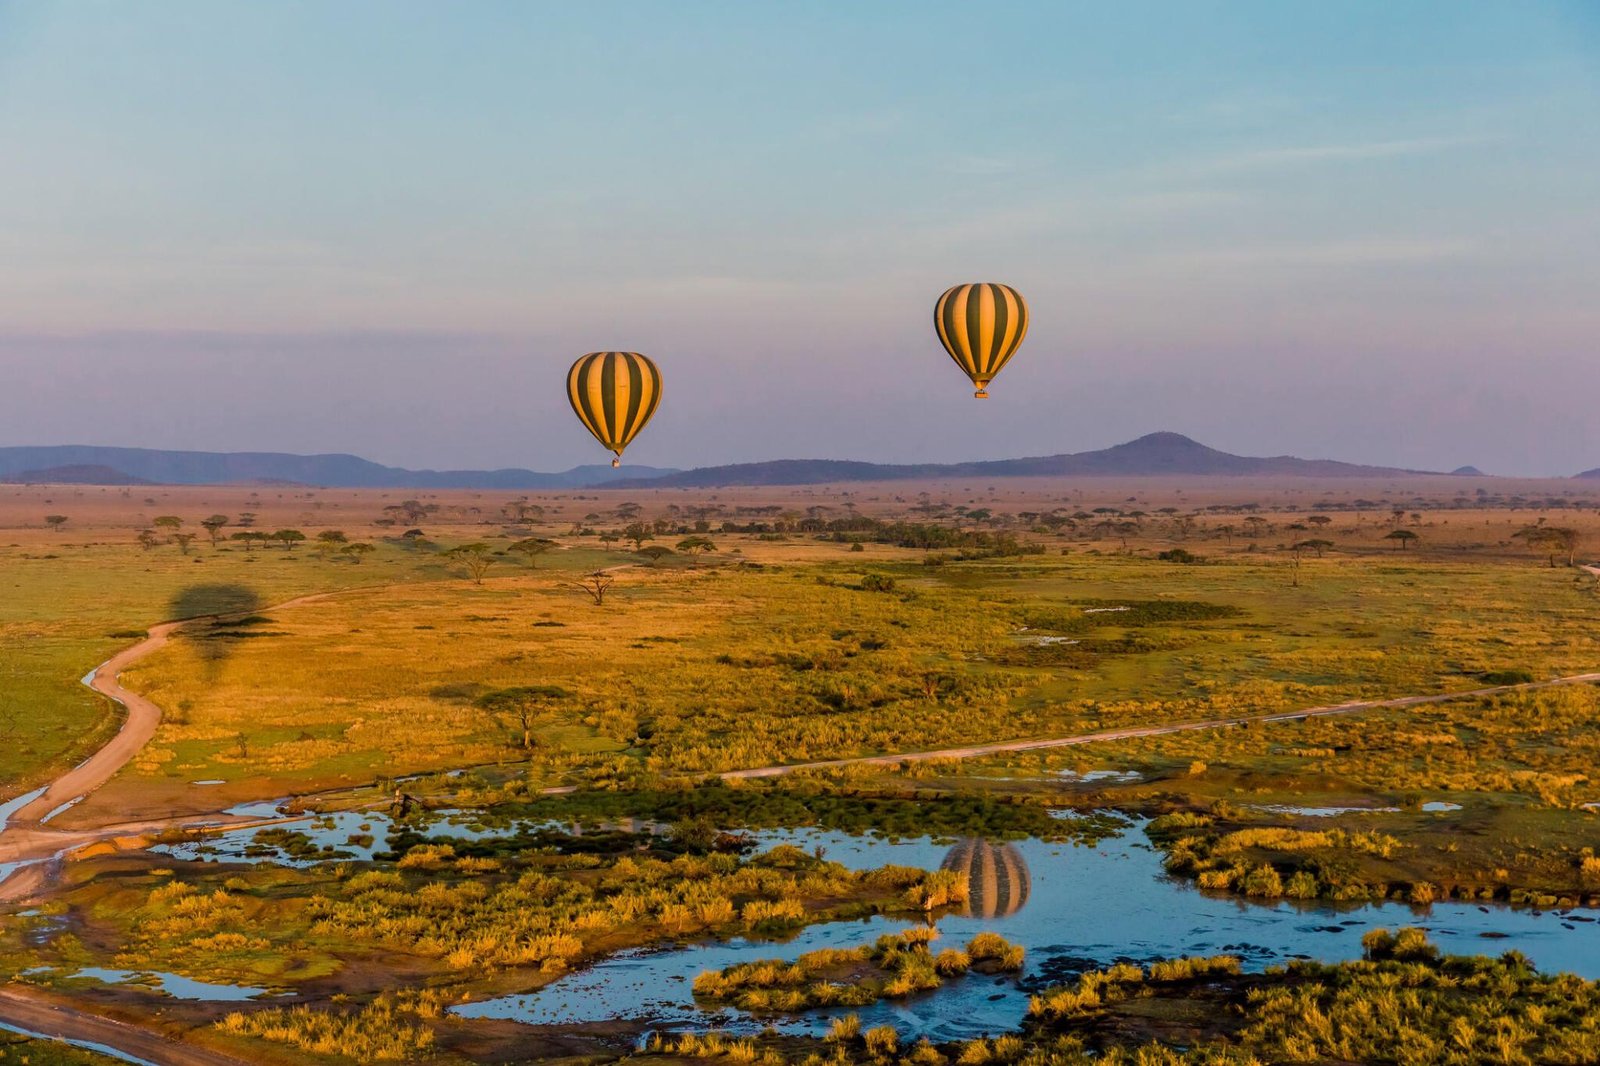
231	610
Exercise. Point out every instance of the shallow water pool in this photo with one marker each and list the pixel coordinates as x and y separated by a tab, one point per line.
1077	908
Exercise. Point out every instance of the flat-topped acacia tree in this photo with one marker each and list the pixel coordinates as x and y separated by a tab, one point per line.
524	704
694	547
531	548
214	526
476	557
1402	537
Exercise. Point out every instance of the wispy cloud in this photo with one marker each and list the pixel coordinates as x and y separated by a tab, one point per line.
1241	108
977	165
1363	251
1357	151
870	123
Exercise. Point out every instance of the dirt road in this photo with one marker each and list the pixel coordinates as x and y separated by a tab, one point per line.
142	718
1002	747
39	1015
26	839
137	729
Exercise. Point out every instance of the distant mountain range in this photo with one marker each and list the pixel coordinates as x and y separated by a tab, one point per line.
1594	474
75	474
90	465
1153	454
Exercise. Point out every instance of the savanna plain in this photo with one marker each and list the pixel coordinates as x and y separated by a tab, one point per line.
429	766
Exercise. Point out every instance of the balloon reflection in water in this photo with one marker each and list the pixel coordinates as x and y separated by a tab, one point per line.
997	876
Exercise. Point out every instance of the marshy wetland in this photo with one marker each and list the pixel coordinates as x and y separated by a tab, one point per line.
459	817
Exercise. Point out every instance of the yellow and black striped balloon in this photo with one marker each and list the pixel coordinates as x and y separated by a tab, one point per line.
614	394
981	326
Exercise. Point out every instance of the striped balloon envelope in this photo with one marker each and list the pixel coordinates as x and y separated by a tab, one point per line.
981	325
614	394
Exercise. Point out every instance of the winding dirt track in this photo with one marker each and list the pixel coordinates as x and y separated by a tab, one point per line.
25	838
1129	733
39	1015
977	750
137	729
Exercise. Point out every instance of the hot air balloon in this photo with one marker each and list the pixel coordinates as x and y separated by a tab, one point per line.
981	326
614	394
997	876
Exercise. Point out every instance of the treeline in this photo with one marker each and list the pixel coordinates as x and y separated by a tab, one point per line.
755	806
925	536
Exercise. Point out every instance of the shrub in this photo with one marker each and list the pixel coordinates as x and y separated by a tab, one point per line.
882	1041
1506	677
1263	881
375	1033
844	1028
994	948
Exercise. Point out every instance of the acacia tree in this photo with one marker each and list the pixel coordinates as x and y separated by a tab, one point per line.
169	522
521	511
1553	540
329	539
356	551
288	538
148	539
638	532
531	548
595	586
214	526
694	547
477	558
1566	540
410	511
1404	537
526	705
55	521
184	540
655	553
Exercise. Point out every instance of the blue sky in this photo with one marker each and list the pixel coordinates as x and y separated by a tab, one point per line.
1369	231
